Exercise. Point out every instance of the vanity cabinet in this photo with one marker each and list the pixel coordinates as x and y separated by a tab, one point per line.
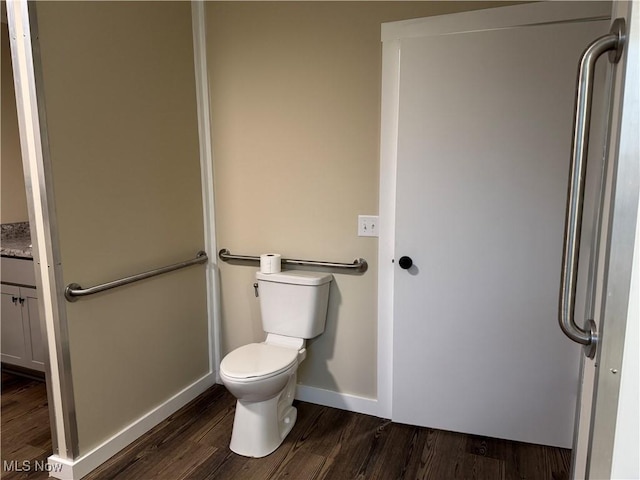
21	337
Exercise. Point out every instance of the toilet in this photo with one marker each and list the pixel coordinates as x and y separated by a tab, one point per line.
262	376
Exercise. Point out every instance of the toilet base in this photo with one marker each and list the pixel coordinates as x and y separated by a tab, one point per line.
259	428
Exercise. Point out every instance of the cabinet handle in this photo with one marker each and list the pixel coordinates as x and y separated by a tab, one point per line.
21	301
14	300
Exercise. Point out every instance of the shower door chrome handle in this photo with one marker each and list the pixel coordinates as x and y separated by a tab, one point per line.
613	43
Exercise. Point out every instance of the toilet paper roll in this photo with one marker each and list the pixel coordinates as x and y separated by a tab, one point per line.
270	263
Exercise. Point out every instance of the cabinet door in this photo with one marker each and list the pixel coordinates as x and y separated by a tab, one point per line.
31	316
12	344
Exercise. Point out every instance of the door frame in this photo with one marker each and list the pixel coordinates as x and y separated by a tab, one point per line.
44	234
65	461
613	443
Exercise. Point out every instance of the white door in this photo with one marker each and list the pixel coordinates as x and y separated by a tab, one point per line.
484	137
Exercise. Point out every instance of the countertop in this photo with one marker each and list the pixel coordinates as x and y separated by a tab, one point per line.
15	240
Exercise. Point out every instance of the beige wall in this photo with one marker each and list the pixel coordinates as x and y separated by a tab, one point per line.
295	103
295	93
119	91
14	198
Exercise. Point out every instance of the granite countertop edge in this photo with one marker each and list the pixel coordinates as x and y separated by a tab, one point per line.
16	253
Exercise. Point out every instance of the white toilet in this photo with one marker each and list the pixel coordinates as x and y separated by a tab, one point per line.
262	376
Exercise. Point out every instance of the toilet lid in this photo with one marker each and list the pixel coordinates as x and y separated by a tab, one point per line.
258	360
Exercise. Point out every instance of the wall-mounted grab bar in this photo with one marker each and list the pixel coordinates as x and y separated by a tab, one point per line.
73	290
359	265
614	44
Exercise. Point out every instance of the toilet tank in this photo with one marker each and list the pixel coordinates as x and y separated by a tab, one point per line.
294	303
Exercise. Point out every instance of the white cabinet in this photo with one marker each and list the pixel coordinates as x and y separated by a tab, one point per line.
21	338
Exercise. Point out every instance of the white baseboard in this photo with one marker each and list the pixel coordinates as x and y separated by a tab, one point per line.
343	401
76	469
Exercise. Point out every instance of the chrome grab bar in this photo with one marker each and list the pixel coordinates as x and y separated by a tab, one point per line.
614	43
73	290
359	265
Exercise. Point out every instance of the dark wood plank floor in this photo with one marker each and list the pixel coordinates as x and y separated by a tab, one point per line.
325	443
25	424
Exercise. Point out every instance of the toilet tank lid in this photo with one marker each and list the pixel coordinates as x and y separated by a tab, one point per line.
296	277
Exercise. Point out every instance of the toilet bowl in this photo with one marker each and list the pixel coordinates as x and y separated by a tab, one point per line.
262	376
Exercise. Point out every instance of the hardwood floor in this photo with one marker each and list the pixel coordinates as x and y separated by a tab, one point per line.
326	443
25	425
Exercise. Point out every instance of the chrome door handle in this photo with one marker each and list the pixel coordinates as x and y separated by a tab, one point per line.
614	43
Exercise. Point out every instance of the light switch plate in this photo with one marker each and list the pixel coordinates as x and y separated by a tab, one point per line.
368	225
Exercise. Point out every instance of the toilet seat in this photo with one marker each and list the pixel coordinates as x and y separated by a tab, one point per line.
257	360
